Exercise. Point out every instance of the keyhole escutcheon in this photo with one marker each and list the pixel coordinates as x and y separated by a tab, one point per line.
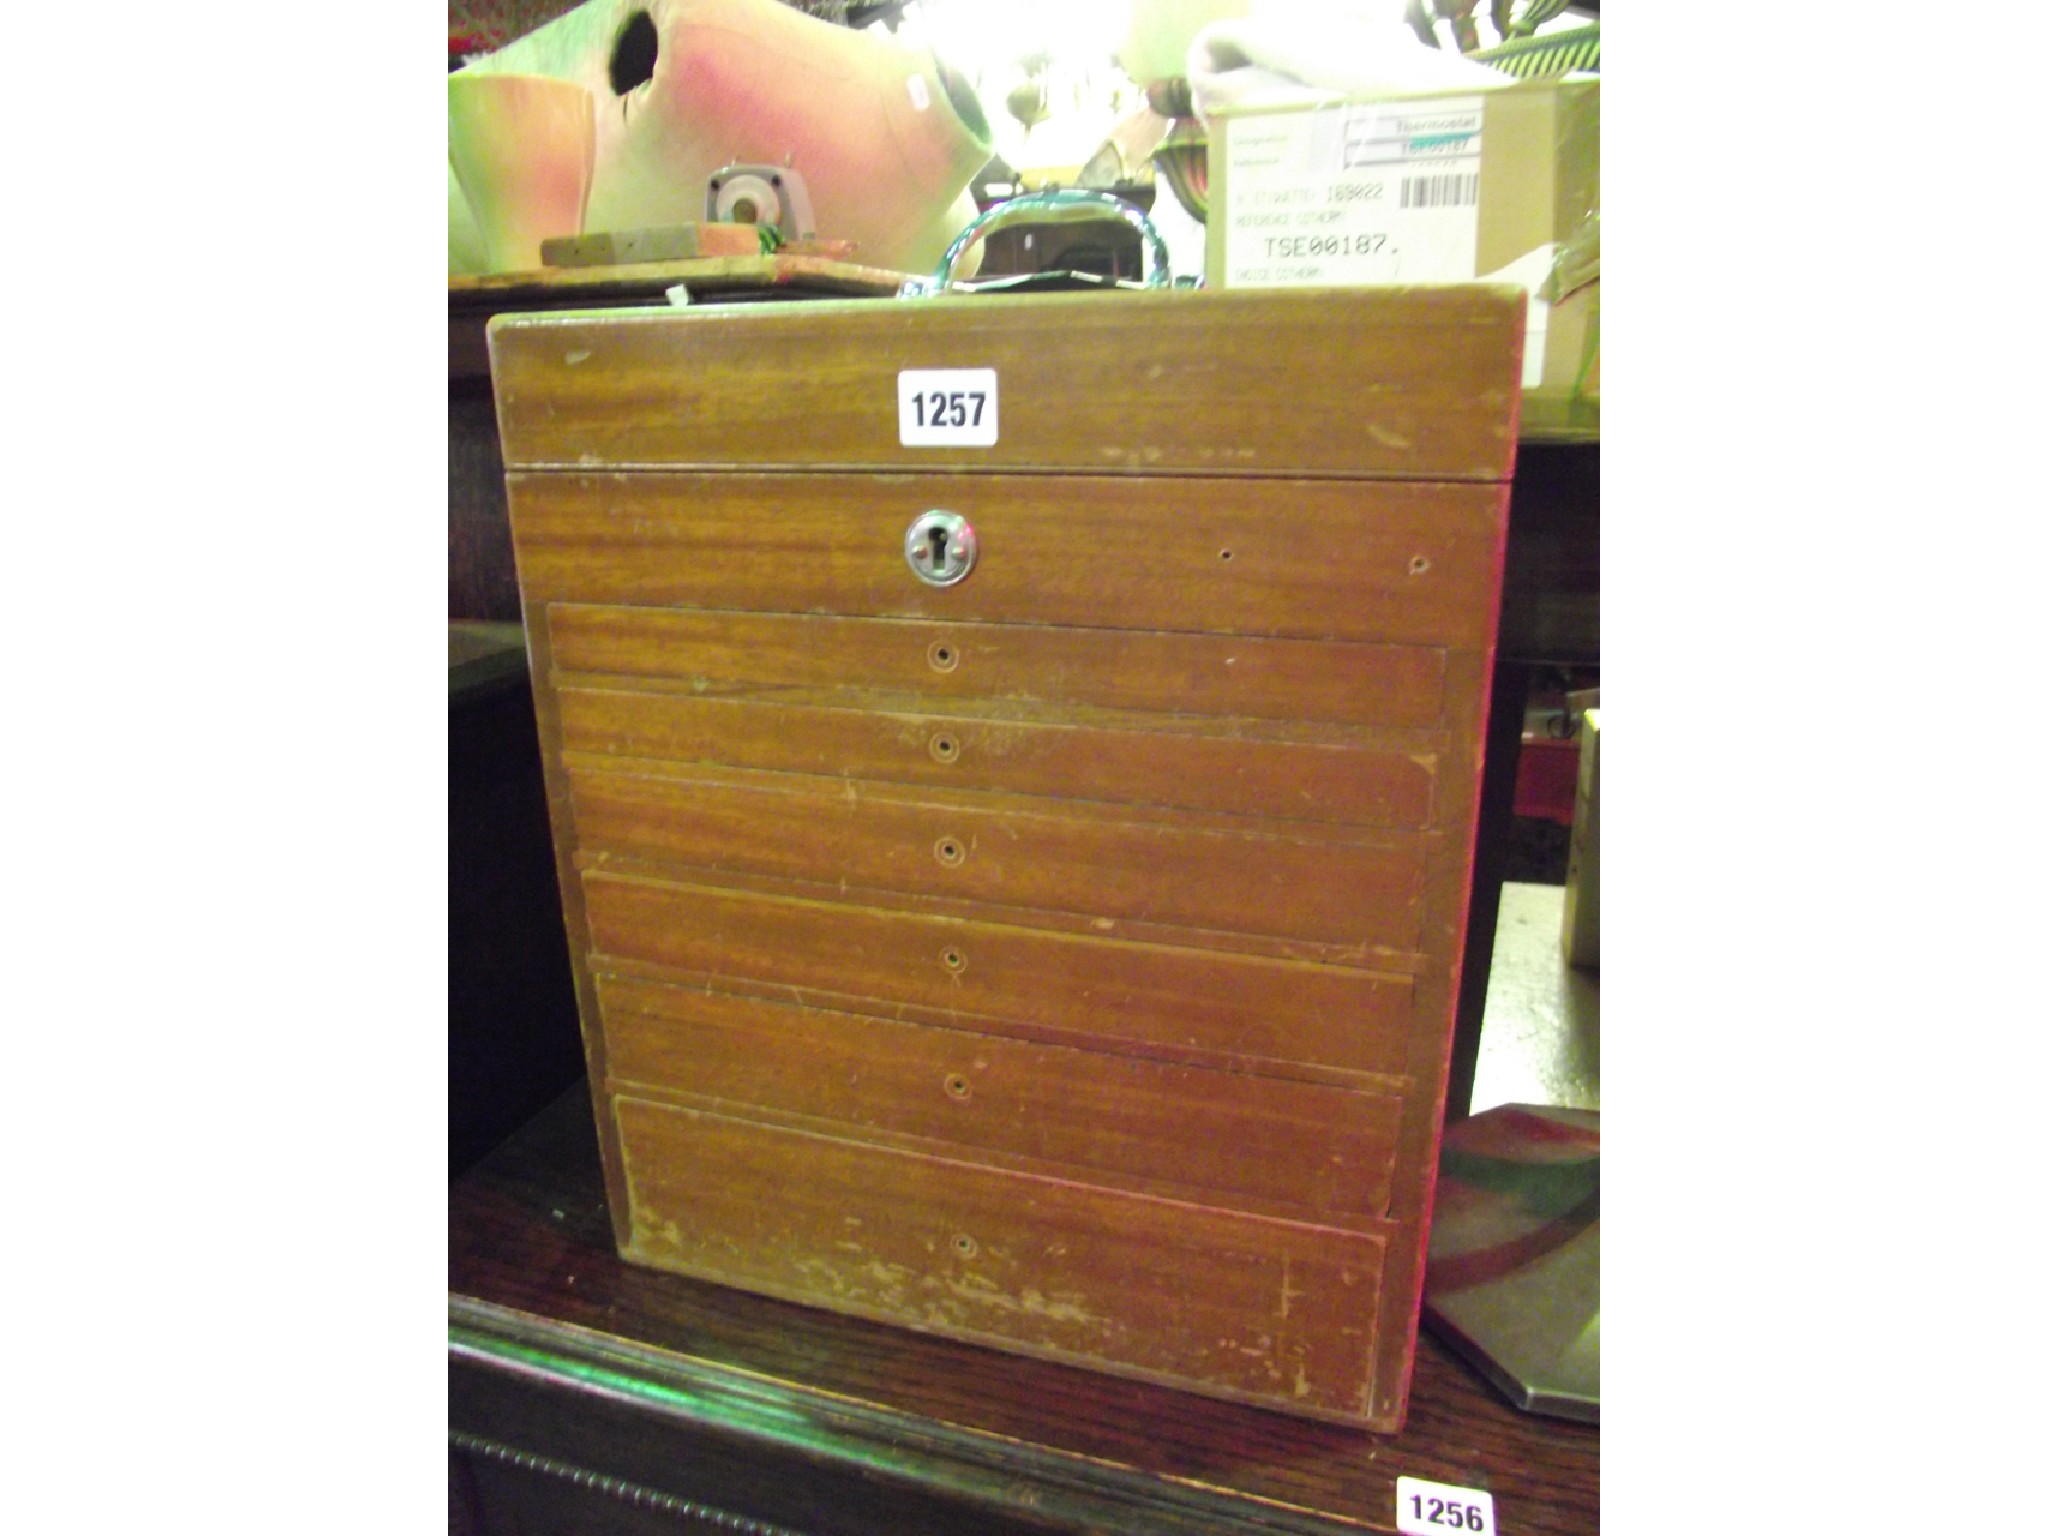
940	548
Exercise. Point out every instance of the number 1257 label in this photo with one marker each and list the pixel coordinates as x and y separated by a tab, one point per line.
1430	1509
946	407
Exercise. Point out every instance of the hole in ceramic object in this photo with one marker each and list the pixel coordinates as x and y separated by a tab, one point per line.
965	103
634	52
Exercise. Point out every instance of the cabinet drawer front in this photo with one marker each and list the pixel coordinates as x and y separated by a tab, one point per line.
733	653
1005	852
1324	1148
1241	1305
1095	990
1397	381
1184	770
1307	559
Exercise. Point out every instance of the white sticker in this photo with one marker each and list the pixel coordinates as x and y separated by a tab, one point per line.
1376	192
946	407
1431	1509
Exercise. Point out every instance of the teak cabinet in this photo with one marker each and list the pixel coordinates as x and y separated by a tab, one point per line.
1062	959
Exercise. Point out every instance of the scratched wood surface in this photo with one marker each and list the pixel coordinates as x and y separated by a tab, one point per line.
1105	990
905	739
1152	1126
1164	814
826	1423
1410	383
1311	559
1017	855
1114	669
1052	1266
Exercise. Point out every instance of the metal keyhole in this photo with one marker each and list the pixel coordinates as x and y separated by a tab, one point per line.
940	547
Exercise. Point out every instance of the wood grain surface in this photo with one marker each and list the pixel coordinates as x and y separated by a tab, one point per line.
1084	989
1015	854
723	652
1317	1148
1172	795
1304	559
1170	763
1060	1268
831	1424
1395	383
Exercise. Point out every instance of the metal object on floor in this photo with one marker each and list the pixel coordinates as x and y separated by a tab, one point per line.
1513	1283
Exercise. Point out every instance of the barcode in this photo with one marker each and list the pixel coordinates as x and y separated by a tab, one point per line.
1445	191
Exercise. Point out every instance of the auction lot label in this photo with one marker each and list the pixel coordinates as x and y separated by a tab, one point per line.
1374	192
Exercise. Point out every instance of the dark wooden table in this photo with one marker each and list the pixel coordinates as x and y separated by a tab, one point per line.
589	1395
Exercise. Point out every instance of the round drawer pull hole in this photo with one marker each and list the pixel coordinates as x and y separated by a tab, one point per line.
943	657
966	1246
953	960
958	1087
1224	554
945	748
1418	565
950	851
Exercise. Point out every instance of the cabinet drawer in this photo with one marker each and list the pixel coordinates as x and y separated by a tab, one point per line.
1232	1304
1324	1148
737	653
1185	769
1413	564
985	975
1009	852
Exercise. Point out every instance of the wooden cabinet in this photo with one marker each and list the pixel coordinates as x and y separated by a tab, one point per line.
1064	959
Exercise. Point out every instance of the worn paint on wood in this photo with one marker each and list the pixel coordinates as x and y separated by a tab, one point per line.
1064	959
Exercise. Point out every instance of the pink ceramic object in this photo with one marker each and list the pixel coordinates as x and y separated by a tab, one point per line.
885	136
521	149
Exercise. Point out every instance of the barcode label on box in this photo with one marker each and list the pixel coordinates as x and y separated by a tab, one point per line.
1369	192
1440	191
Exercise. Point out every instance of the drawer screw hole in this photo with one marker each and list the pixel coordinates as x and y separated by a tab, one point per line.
1418	565
966	1246
950	852
958	1087
953	960
1225	554
945	748
943	657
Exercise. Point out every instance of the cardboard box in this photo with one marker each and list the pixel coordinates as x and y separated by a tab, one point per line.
1446	187
1571	349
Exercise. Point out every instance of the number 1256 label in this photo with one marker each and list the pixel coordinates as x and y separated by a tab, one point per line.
1430	1509
946	407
